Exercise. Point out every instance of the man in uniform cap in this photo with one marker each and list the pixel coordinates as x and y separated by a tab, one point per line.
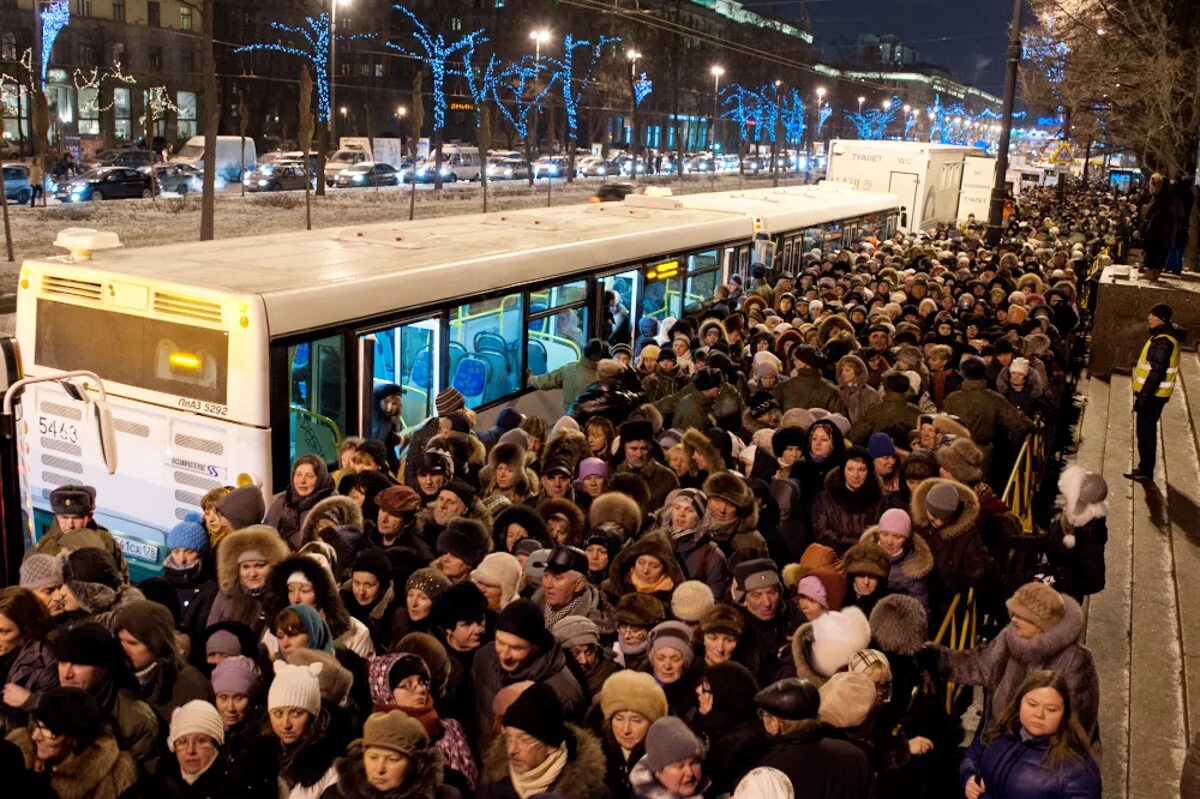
75	528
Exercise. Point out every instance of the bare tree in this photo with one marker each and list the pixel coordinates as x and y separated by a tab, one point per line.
212	119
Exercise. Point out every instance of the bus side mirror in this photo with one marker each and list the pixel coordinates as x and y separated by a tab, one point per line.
10	363
107	433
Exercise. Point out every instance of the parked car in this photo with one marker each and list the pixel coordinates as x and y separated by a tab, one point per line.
592	166
368	173
177	178
126	156
550	166
106	183
508	167
279	176
342	159
16	183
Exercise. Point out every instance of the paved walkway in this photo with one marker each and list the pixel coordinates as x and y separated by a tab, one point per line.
1144	628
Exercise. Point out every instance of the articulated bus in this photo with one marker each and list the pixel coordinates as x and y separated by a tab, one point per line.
226	360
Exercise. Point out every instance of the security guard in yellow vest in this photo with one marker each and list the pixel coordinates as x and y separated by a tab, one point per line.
1154	379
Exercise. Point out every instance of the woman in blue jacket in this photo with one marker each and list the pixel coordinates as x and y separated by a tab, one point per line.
1037	750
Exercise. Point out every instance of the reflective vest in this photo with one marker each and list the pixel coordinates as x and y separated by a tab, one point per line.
1142	370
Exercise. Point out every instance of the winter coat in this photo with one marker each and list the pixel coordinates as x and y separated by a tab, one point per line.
1004	663
172	685
376	617
958	548
840	515
910	569
573	378
226	778
35	668
701	559
794	515
982	411
136	724
809	389
659	478
764	641
820	767
547	664
858	398
942	384
613	396
581	778
288	511
1032	397
1075	544
1013	767
1158	356
313	768
662	384
423	780
617	767
233	603
1159	227
100	771
893	408
196	590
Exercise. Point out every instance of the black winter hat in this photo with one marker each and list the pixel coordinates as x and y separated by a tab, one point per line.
89	644
465	539
459	602
462	490
374	561
91	565
809	355
151	624
973	368
1163	312
897	382
538	712
70	711
376	450
708	377
636	431
524	619
791	699
595	350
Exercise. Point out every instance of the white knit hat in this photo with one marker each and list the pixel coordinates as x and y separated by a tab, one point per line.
196	716
295	686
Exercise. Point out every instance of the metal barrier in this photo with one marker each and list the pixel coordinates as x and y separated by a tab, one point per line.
1023	480
958	631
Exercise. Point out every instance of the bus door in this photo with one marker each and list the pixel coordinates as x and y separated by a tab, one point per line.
407	355
316	408
613	328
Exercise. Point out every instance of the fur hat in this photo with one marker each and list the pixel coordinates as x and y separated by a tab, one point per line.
638	610
633	690
257	539
395	730
722	619
459	602
398	499
465	539
334	679
70	711
871	560
690	600
549	508
617	508
1038	604
838	634
734	489
963	459
899	624
569	446
846	700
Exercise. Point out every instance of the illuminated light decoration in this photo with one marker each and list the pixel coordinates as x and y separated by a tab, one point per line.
642	89
937	115
910	122
740	106
873	123
565	73
481	85
315	33
792	112
55	17
768	113
158	100
435	51
518	104
95	80
823	115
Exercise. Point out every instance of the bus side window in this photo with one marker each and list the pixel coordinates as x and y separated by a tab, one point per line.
317	402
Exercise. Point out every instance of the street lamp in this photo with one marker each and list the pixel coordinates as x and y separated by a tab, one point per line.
907	111
634	143
333	7
717	72
861	100
538	37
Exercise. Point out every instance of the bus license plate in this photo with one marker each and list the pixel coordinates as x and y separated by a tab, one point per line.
138	549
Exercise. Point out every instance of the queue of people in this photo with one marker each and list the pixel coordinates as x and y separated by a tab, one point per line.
717	574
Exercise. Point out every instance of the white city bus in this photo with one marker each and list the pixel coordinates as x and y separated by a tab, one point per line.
225	360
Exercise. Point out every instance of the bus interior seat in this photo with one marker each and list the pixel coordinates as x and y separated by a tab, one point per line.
499	377
538	361
457	353
487	341
471	378
422	371
415	405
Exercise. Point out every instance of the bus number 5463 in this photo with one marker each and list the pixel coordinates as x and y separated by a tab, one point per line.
59	430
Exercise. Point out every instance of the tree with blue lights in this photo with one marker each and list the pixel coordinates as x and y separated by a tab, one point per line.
873	123
482	86
642	89
435	52
55	17
518	94
573	76
823	115
740	106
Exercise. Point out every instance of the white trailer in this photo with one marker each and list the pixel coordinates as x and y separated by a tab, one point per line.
926	177
975	198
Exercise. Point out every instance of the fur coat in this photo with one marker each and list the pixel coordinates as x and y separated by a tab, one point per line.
100	771
581	778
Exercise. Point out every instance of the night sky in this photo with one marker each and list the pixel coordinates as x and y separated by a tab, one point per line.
967	37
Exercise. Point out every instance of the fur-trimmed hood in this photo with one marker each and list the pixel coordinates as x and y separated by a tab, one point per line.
618	508
426	764
581	778
258	537
857	364
709	324
1068	485
833	326
899	624
342	511
548	508
917	560
656	544
329	602
523	515
959	523
100	771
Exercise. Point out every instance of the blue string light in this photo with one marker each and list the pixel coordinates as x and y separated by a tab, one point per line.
873	123
642	89
315	33
513	81
792	111
739	105
55	17
564	74
436	51
823	115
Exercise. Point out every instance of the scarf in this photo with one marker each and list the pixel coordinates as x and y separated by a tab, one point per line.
539	778
578	606
428	716
664	583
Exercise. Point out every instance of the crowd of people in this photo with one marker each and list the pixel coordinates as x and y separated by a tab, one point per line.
720	572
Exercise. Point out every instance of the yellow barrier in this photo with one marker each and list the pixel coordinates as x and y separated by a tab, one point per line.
958	633
1022	481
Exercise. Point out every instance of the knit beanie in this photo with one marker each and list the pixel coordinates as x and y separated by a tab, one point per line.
963	459
395	730
376	562
223	642
846	700
448	401
694	496
690	600
670	741
1162	311
236	675
811	586
500	570
576	631
763	402
673	635
539	713
722	619
296	686
429	581
243	506
896	520
633	690
880	445
942	501
189	534
592	466
1038	604
40	570
525	620
196	716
